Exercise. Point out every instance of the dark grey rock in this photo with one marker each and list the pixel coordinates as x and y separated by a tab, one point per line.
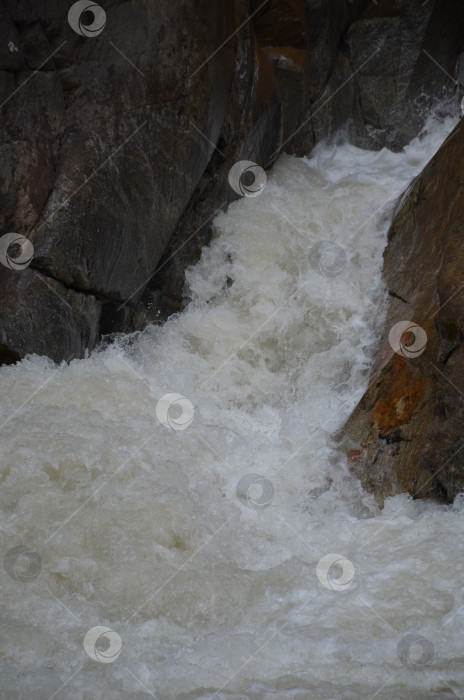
404	55
116	148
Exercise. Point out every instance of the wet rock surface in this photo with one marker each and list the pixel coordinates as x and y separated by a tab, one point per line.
116	147
407	430
405	56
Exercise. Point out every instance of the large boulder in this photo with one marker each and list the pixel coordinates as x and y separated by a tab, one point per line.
396	62
117	140
406	433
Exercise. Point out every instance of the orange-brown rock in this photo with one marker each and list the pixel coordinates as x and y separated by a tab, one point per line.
408	427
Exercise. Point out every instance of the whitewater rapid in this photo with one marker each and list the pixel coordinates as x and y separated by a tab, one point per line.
211	581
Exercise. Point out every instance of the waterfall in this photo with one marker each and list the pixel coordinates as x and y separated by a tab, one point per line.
181	489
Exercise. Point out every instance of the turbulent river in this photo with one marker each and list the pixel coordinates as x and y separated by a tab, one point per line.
221	548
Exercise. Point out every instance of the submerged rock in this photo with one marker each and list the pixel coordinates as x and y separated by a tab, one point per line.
407	430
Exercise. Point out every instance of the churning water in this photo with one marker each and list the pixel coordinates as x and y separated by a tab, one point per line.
214	583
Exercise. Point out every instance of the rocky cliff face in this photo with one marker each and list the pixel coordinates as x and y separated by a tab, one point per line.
417	48
407	430
119	127
117	139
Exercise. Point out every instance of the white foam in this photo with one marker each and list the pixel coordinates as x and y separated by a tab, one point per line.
139	527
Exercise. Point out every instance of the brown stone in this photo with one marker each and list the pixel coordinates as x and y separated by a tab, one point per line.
409	424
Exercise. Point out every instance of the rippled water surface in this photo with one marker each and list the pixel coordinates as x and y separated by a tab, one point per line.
208	578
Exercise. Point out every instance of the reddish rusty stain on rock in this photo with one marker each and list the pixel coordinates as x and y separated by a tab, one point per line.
400	394
353	456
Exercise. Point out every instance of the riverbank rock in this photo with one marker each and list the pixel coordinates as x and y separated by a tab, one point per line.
120	126
406	432
406	56
118	131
